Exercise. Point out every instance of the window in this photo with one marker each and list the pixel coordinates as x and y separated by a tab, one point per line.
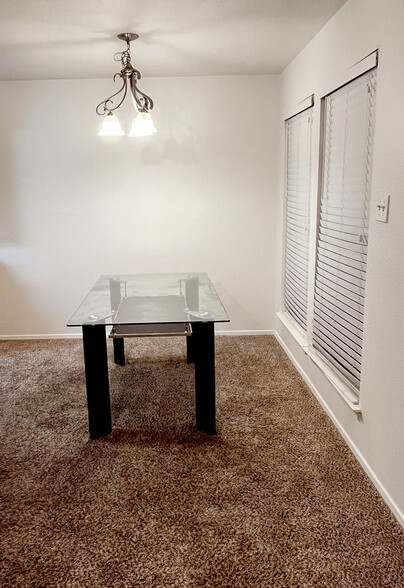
296	246
343	225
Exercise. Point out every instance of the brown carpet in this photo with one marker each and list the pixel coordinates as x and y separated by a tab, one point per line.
275	499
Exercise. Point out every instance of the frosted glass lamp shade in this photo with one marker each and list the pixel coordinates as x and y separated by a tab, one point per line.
142	125
111	127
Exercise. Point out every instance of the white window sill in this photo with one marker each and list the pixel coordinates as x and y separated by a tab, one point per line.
340	385
293	328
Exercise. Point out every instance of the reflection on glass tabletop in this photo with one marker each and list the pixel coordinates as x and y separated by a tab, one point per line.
150	299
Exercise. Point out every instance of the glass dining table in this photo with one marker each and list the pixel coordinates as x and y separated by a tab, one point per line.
180	304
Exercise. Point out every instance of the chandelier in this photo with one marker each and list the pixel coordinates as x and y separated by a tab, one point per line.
142	124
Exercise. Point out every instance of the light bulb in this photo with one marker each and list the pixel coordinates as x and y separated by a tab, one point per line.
111	127
142	125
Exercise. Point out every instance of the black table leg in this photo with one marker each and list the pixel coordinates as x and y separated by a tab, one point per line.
96	368
190	349
204	349
119	350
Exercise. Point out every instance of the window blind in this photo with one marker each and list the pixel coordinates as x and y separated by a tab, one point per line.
343	225
296	247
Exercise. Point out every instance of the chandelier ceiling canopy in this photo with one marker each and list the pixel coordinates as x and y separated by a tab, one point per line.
142	124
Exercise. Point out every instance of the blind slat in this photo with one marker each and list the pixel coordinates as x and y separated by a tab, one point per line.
346	252
333	296
360	233
343	243
352	366
300	249
339	309
350	282
339	286
329	315
353	377
344	220
296	261
296	275
340	331
337	262
335	341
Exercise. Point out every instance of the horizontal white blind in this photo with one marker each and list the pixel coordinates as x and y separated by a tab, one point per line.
343	225
296	258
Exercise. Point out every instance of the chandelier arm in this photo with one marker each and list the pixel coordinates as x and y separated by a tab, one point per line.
129	76
104	103
147	101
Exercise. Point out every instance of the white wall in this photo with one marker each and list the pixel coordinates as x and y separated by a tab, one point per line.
378	438
199	196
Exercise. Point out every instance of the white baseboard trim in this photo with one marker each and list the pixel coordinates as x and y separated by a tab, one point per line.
46	336
79	335
237	333
399	515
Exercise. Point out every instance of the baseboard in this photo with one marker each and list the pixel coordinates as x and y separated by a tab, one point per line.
46	336
240	333
79	335
398	514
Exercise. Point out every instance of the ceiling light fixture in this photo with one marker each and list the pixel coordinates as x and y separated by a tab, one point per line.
142	124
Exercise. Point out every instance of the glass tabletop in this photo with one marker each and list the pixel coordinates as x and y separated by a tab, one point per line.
150	299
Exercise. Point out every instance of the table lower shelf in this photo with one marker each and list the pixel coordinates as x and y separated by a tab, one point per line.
153	330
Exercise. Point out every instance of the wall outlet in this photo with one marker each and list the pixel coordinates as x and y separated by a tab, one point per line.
382	209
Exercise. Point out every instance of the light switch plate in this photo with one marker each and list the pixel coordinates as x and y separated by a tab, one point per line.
382	209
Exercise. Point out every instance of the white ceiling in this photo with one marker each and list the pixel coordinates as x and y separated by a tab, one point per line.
50	39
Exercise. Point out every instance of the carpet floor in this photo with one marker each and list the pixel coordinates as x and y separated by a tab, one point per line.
274	499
